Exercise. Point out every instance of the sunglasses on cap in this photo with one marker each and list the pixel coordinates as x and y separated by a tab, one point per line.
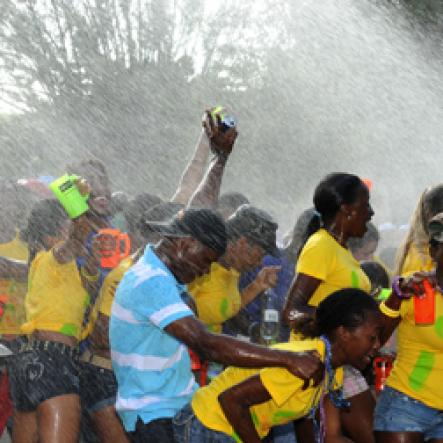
434	242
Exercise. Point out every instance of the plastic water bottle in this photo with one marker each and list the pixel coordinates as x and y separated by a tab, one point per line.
270	320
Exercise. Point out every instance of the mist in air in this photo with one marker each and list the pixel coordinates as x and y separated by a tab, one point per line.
316	87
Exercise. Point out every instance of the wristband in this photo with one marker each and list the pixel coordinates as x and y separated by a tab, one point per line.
391	313
396	288
90	278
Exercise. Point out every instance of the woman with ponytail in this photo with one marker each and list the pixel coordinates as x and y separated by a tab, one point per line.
325	265
244	404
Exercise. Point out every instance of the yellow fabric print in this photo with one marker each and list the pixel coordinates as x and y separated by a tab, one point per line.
216	296
418	368
289	402
325	259
56	299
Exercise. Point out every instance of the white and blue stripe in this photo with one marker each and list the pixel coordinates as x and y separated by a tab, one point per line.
153	368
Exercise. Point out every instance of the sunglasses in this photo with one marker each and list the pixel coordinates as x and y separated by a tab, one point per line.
434	243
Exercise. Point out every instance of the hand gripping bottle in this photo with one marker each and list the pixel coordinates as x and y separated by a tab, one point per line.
424	306
68	194
227	121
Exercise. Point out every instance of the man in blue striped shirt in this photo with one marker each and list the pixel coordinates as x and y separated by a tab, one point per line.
151	328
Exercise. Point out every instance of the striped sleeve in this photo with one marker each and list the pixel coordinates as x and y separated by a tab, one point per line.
158	300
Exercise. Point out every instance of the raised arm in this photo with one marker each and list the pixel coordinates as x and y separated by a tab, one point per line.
207	193
403	289
194	171
266	278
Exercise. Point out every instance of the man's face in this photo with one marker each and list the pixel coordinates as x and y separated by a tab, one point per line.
248	256
193	259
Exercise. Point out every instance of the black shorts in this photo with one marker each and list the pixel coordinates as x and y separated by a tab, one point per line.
98	387
40	371
160	431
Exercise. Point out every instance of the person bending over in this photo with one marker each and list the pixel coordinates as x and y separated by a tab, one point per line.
244	404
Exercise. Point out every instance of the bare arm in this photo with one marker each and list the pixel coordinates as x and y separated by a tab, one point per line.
302	288
13	269
221	143
229	351
194	171
390	324
74	245
266	278
208	191
236	402
333	424
409	287
100	334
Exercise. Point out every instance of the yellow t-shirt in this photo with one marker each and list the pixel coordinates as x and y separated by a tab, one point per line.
105	299
325	259
416	261
56	299
418	368
15	249
12	292
289	402
216	296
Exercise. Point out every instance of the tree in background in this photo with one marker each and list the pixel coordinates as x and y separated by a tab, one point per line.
429	11
317	86
122	79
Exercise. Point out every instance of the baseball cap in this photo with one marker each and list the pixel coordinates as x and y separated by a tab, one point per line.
256	225
435	228
204	225
4	351
160	213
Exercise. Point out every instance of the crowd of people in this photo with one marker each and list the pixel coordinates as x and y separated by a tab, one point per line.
144	319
